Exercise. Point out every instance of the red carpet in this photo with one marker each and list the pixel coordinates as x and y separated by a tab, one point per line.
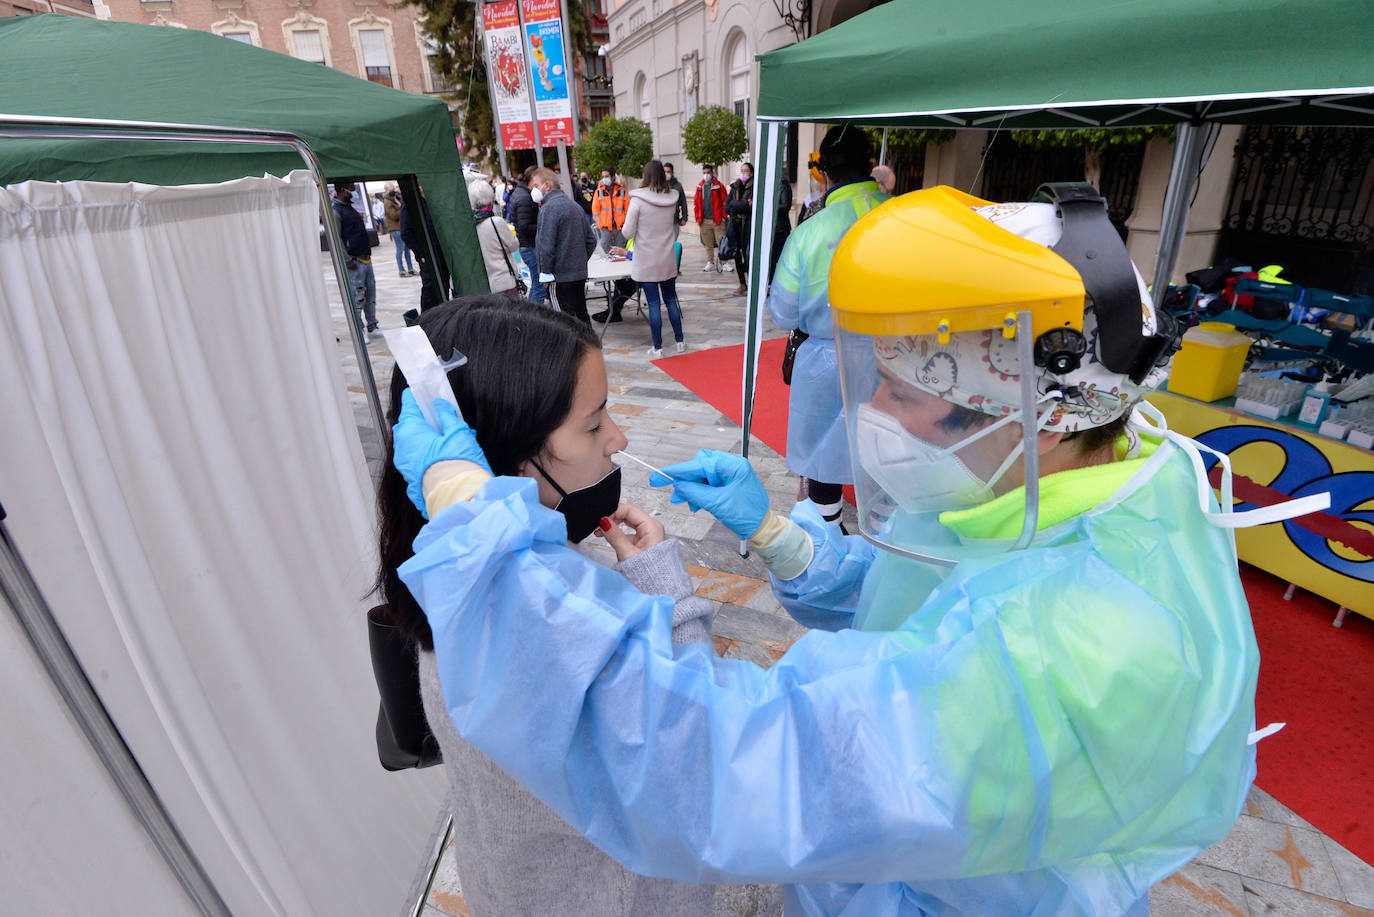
1316	678
714	376
1320	681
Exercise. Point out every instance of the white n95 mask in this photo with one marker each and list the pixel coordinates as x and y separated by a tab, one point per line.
924	478
918	476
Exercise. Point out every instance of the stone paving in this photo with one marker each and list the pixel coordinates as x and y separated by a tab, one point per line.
1273	863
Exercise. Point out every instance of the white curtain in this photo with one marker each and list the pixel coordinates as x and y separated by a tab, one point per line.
182	473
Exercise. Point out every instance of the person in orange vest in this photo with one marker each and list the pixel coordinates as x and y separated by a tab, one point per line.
608	209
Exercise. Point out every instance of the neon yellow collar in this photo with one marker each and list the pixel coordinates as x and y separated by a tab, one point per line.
1063	495
851	190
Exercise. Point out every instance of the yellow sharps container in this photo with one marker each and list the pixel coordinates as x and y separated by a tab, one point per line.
1209	364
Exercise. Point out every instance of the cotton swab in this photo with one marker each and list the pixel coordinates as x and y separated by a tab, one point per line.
645	464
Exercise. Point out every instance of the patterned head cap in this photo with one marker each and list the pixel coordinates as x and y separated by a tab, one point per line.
980	369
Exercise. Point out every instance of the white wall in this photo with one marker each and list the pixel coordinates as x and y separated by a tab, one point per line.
655	49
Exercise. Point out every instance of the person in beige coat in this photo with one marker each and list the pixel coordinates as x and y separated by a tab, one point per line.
497	241
651	224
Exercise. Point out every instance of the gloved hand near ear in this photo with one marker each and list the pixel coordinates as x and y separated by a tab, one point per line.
418	447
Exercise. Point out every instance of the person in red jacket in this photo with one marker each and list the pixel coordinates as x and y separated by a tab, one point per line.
709	207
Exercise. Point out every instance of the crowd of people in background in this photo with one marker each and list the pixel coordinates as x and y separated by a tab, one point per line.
529	220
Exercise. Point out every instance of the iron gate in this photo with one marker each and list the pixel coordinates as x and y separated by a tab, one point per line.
909	168
1012	172
1303	197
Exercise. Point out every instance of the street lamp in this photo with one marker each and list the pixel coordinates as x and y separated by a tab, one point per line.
796	15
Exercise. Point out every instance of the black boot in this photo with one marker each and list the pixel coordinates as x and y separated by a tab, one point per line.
617	301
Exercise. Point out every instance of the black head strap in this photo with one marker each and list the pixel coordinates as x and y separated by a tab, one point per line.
1092	245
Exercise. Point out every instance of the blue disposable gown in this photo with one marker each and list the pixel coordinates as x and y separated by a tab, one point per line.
817	445
1050	732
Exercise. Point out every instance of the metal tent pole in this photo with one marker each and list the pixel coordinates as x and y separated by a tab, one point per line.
767	188
1174	219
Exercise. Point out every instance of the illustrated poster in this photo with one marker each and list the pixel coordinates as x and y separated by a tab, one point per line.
549	70
506	71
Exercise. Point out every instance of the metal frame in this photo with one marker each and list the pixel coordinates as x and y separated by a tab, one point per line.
21	593
50	645
1183	174
38	127
1207	108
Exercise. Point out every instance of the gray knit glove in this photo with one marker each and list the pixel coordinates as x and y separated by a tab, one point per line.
660	571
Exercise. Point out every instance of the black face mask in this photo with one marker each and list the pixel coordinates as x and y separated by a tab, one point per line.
583	509
346	196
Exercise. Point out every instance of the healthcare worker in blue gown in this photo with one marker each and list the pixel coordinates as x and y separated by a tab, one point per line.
1037	693
817	448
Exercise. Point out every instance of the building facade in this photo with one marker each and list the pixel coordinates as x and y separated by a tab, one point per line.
33	7
597	98
366	38
672	57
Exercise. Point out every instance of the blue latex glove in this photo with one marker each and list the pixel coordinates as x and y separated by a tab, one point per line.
724	485
545	278
417	445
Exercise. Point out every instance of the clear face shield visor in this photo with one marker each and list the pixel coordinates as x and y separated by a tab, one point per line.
934	476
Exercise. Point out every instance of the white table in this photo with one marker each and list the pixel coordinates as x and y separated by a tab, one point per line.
603	270
606	271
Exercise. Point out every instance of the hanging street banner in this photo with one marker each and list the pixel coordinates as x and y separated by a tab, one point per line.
506	72
549	70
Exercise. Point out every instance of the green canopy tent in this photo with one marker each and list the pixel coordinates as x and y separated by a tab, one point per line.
1064	64
66	67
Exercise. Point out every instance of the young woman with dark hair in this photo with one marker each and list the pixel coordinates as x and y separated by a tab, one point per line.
651	222
534	391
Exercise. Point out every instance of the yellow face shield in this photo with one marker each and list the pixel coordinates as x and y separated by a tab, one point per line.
926	263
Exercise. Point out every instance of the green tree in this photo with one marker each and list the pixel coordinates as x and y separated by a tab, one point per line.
1092	138
715	135
459	59
1092	141
622	145
452	26
907	141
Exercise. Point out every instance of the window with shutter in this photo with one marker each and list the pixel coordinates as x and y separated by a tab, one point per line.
376	60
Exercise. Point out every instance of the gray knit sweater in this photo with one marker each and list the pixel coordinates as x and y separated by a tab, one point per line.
514	855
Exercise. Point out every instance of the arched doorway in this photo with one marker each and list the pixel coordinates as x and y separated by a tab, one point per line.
738	75
643	101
